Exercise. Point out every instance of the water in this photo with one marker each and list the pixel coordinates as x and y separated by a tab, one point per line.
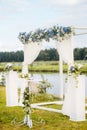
54	79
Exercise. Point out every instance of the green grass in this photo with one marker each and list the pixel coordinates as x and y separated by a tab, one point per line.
56	106
44	66
36	98
42	120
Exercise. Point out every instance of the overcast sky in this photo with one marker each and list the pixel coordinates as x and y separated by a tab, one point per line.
26	15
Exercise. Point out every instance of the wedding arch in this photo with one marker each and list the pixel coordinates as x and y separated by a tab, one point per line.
74	102
33	44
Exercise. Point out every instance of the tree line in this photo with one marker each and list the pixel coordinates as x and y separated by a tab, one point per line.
45	55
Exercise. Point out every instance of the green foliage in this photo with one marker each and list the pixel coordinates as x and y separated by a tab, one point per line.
48	55
24	76
80	53
44	84
44	66
45	55
11	56
26	101
57	33
42	97
2	80
75	71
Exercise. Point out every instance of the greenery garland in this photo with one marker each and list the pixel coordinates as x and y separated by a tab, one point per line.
24	76
26	101
55	33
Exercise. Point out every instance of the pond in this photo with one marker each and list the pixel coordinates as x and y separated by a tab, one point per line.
54	79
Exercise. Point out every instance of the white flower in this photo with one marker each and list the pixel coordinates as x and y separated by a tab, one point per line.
30	39
79	66
54	33
60	39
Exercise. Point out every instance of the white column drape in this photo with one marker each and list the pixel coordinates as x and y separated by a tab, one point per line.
69	96
12	88
31	51
61	77
74	102
78	99
65	50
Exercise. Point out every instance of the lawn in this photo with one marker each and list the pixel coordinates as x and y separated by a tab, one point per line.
42	120
44	66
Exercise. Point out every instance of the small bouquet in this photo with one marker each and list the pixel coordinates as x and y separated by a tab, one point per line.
75	71
24	75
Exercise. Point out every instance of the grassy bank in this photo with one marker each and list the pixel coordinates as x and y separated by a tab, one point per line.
42	120
44	66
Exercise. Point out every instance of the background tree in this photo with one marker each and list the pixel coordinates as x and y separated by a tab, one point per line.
45	55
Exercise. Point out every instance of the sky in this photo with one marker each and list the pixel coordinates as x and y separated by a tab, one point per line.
27	15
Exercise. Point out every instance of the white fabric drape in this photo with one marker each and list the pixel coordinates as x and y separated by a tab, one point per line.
31	51
24	84
65	50
69	96
12	89
74	103
78	99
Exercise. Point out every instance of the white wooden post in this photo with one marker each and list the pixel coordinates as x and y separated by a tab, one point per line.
25	68
25	65
61	77
24	72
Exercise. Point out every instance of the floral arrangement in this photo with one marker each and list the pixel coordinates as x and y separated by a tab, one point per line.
24	75
55	33
27	107
26	101
75	71
8	67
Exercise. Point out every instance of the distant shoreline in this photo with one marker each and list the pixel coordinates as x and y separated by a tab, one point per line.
44	66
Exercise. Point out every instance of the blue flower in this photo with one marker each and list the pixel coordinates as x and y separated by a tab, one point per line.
65	29
55	33
72	68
